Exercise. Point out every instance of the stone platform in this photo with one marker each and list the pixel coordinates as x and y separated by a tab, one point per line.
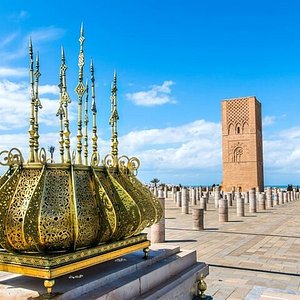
168	273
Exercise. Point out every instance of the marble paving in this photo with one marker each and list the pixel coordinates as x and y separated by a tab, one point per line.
251	257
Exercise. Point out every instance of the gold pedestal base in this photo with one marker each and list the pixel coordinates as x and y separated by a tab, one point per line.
50	266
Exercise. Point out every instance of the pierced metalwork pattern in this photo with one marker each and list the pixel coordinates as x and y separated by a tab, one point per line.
55	223
87	211
146	210
6	176
18	207
49	208
151	198
134	215
120	211
7	191
31	220
108	223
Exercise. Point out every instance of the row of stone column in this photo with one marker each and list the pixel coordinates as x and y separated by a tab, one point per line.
184	196
194	193
255	200
158	229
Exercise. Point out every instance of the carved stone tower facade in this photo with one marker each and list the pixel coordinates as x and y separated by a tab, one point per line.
242	144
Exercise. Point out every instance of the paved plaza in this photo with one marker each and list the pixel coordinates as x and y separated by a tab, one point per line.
251	257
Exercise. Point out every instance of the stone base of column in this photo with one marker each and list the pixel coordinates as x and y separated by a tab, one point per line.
198	218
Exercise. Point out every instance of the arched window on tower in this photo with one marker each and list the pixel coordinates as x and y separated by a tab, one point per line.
238	129
245	128
230	129
237	154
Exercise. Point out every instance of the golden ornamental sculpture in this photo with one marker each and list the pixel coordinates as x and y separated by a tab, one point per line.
65	216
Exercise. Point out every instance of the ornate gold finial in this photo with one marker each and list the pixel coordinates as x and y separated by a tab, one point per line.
65	100
37	106
31	120
113	122
80	90
94	110
60	113
86	122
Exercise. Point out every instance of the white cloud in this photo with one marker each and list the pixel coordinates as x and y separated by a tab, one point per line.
8	39
48	89
157	95
282	152
17	17
39	37
13	72
15	105
190	146
47	34
268	120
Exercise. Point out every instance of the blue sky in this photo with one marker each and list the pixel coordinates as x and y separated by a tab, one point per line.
176	61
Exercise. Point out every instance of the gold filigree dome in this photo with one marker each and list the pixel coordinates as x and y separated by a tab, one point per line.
60	207
47	207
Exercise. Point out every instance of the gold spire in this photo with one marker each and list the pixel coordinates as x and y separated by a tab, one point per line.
31	120
80	90
37	106
86	122
60	113
94	110
113	122
65	100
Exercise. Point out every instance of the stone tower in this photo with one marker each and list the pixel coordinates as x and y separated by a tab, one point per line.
242	144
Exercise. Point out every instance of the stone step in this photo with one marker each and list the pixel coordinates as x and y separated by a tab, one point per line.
153	281
181	287
114	271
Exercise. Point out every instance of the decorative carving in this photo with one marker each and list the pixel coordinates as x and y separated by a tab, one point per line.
12	157
237	115
238	152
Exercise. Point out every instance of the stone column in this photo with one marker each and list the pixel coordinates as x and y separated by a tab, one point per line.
294	194
246	198
185	201
217	196
276	200
166	192
262	201
202	204
240	207
199	193
178	198
288	196
198	219
223	210
158	229
194	198
206	196
174	193
280	197
284	197
233	194
252	201
229	198
155	192
269	197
